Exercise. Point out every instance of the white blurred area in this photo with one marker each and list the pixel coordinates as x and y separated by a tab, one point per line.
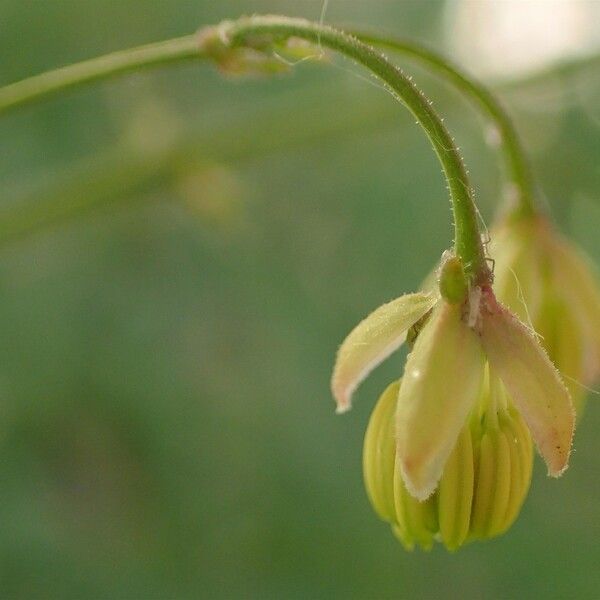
509	38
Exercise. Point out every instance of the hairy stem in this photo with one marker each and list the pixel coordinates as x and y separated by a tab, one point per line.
185	48
247	32
252	31
517	166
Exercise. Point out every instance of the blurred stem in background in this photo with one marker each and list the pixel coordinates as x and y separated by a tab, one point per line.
118	176
126	172
565	71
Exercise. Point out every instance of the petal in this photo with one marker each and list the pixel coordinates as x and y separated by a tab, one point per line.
533	383
372	341
564	342
518	268
441	383
519	282
578	282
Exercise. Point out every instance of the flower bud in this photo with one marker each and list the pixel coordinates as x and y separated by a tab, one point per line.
483	484
550	284
213	193
452	280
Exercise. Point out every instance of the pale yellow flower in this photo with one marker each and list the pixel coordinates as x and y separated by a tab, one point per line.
464	352
552	285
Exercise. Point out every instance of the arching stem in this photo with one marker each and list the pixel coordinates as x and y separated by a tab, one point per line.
35	88
259	32
522	186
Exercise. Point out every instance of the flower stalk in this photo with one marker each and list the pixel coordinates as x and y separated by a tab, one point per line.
258	34
187	48
522	187
251	32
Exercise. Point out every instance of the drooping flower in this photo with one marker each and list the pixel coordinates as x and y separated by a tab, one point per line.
469	351
548	282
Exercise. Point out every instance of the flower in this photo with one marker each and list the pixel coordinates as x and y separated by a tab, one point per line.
547	281
466	350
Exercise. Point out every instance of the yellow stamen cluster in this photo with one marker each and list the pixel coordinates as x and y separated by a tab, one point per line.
482	488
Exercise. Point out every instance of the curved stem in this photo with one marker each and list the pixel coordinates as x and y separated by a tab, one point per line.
187	47
252	31
517	166
34	88
247	32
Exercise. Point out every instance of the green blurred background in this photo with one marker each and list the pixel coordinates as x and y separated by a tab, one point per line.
166	426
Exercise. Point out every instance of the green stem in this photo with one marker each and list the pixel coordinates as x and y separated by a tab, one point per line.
251	32
517	166
186	48
247	33
39	86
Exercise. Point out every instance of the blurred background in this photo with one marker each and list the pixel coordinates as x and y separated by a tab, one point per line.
181	255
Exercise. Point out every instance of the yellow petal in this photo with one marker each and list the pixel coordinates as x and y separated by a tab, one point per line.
372	341
532	382
441	383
